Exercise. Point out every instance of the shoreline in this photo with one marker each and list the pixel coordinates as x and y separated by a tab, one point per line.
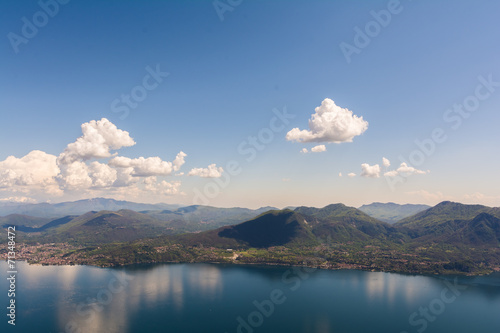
463	274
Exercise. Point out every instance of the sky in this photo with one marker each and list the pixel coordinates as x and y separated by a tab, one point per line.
250	103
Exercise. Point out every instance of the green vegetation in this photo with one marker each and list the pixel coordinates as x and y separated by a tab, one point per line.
447	238
391	212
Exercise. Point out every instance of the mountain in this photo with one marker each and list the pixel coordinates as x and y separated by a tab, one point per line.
94	228
445	217
125	225
79	207
303	226
200	218
343	223
448	238
391	212
454	223
24	227
22	220
483	230
274	228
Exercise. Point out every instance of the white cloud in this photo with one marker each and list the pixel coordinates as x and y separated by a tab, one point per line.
37	168
19	200
433	197
161	188
144	167
386	162
102	175
39	175
75	175
340	174
330	123
211	172
179	161
370	171
405	171
304	151
351	175
99	137
318	149
124	177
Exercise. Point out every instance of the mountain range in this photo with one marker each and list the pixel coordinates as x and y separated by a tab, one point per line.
461	239
391	212
449	237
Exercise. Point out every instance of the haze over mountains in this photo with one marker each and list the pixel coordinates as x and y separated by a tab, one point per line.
76	207
448	236
446	222
391	212
111	221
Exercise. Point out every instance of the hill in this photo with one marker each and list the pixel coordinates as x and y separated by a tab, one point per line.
200	218
448	238
94	228
79	207
23	220
391	212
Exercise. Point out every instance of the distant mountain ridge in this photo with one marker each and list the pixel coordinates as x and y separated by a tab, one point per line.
391	212
449	237
107	226
79	207
304	226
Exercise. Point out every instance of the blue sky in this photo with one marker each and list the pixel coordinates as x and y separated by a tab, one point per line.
225	79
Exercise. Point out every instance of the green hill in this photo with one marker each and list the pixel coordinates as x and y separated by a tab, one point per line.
23	220
391	212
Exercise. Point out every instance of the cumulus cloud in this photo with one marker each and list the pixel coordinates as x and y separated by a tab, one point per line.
102	175
304	151
405	171
179	161
386	162
39	174
37	168
18	199
330	123
370	171
351	175
211	172
75	175
146	167
318	149
99	137
433	197
163	187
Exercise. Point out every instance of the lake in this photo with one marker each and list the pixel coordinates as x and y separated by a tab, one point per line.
246	299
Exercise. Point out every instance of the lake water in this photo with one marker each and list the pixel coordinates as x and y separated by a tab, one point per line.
223	298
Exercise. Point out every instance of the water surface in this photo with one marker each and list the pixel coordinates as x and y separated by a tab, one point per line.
224	298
